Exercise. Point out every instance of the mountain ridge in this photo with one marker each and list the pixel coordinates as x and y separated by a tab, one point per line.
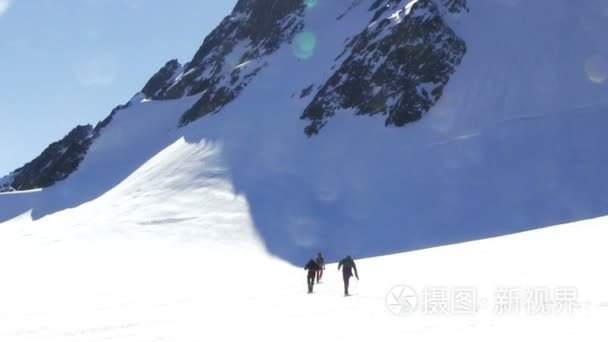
233	54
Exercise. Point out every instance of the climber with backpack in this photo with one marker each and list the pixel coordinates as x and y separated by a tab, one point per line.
348	265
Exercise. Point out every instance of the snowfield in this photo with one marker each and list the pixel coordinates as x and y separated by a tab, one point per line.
62	282
201	232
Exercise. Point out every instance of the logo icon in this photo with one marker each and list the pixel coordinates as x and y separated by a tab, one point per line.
401	300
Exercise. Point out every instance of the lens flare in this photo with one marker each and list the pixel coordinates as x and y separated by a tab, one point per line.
5	4
310	3
596	68
305	44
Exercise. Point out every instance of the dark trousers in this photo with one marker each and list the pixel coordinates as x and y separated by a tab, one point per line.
346	277
310	280
319	275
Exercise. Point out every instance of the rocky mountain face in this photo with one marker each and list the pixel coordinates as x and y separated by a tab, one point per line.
57	161
230	56
166	75
397	67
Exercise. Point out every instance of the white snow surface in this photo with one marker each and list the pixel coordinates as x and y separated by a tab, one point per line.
167	234
62	282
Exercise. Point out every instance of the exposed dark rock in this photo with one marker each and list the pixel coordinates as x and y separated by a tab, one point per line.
230	56
306	91
456	6
58	160
396	67
102	124
162	79
354	4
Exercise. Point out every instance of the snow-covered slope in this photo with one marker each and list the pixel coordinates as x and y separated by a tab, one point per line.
66	281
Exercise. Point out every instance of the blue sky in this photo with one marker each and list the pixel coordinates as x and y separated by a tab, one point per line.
69	62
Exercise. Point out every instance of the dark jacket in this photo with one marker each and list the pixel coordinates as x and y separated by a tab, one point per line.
320	261
348	265
312	266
